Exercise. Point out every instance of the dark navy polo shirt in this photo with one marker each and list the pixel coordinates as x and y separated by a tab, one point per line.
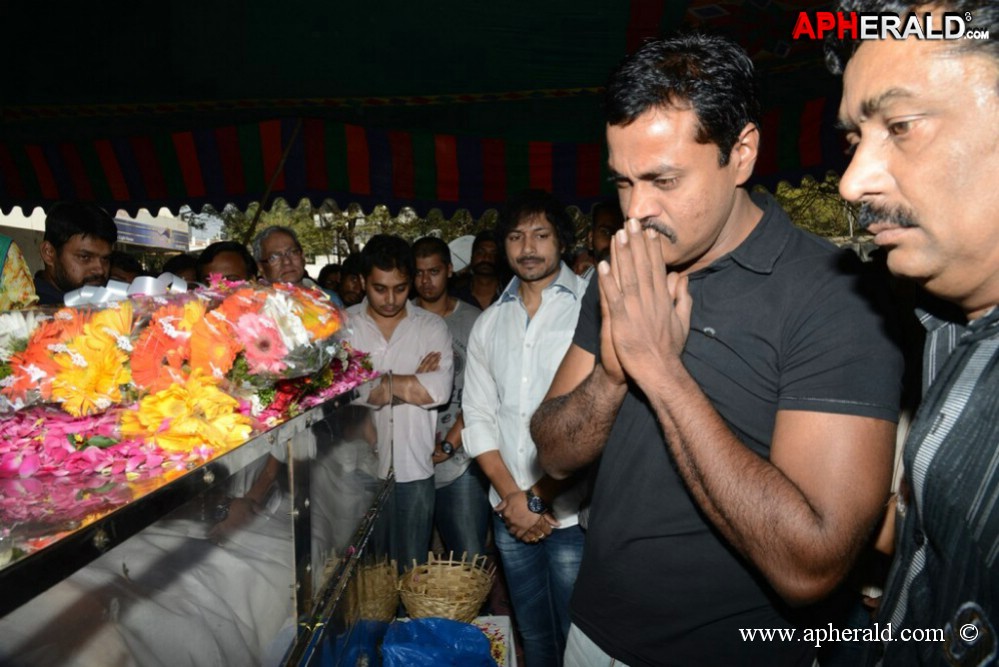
783	322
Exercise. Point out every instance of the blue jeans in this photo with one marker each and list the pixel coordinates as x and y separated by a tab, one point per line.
412	515
461	512
540	578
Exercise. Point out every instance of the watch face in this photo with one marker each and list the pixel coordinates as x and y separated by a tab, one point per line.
447	448
536	504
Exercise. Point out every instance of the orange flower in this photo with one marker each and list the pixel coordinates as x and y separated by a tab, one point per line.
165	345
318	313
213	346
242	301
34	368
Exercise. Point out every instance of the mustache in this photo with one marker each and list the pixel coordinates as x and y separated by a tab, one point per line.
660	228
530	258
871	213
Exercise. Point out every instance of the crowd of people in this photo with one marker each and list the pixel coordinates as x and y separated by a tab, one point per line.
685	433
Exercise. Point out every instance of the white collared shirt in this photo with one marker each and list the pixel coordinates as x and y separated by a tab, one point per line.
409	428
511	362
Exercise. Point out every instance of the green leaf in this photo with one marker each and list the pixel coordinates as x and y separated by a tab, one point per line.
101	441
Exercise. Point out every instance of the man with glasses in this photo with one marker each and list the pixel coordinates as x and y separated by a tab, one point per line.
281	260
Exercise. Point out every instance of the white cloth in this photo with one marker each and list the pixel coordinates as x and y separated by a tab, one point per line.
511	362
407	430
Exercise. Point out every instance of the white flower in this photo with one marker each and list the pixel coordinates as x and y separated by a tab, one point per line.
281	310
15	328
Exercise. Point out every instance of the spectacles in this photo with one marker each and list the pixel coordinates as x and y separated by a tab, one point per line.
275	258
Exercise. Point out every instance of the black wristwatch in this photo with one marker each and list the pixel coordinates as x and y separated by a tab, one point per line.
447	448
535	503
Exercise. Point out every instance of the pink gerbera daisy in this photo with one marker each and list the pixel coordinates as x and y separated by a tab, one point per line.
262	343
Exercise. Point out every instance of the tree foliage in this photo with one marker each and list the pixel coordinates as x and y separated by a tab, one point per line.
814	205
817	206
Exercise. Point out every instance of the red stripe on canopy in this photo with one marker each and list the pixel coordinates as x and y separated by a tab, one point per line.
15	186
810	141
403	169
270	150
77	171
446	154
190	167
315	154
149	167
112	170
540	165
233	179
43	172
644	21
766	163
358	160
588	170
493	170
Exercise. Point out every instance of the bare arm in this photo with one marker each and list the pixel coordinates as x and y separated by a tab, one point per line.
573	421
800	517
407	388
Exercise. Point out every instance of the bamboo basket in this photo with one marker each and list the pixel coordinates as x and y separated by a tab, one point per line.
447	588
373	594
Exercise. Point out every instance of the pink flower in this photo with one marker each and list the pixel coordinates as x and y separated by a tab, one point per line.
261	339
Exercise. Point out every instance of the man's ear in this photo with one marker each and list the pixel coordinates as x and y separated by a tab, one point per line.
49	254
745	151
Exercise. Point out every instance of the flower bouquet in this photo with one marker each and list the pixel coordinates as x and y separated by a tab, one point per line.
194	368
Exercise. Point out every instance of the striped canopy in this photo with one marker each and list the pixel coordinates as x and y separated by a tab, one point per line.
451	107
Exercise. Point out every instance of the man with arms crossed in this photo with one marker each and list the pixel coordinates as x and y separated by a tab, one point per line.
513	353
461	509
416	346
740	391
923	119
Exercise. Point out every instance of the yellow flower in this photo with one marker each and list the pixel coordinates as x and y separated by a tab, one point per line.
320	318
91	373
112	325
185	416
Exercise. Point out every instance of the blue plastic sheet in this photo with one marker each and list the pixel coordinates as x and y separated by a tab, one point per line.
432	642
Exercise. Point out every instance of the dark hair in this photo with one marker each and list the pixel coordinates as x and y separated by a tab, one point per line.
123	260
215	249
68	219
610	206
326	270
179	263
351	266
712	74
984	13
532	202
387	252
429	246
258	241
482	237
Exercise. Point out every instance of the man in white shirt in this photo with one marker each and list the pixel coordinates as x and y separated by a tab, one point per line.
416	347
513	353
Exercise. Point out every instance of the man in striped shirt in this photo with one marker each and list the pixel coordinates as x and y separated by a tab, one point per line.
923	119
